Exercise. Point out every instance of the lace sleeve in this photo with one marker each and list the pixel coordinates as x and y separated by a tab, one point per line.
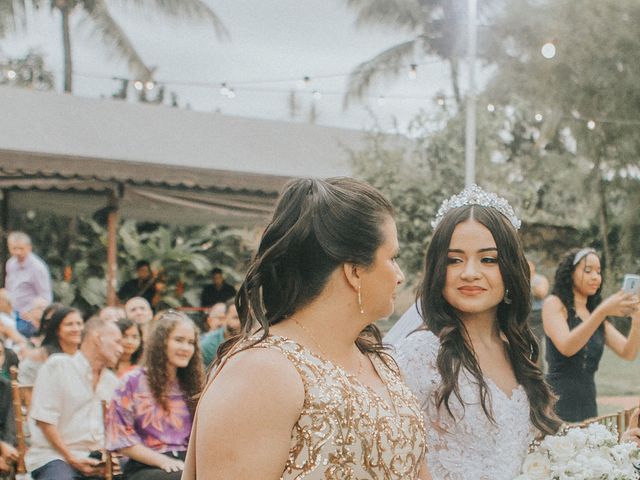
416	357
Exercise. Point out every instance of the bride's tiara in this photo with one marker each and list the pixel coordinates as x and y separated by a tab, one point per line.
474	195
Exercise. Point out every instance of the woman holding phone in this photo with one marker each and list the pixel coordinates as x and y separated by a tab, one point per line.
576	326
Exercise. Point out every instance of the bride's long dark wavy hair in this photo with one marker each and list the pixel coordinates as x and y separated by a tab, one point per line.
317	226
455	353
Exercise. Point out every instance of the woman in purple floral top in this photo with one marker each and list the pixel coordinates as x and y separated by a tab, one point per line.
149	418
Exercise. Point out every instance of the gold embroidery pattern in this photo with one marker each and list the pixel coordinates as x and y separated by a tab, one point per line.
346	431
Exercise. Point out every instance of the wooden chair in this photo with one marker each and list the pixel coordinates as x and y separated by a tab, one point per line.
611	421
21	395
112	460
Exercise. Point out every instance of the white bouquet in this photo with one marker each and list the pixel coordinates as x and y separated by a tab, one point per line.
589	453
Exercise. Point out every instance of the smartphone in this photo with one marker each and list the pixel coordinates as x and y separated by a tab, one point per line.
631	283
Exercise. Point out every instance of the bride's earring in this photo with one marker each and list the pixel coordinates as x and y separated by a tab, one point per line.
360	299
507	298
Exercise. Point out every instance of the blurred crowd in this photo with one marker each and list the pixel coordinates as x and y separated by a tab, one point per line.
148	366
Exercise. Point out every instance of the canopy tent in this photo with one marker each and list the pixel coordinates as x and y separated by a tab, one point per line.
75	156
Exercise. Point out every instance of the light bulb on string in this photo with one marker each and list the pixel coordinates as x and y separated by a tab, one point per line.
538	117
232	93
440	100
138	85
149	85
548	50
591	124
224	90
317	95
304	82
413	71
491	108
11	74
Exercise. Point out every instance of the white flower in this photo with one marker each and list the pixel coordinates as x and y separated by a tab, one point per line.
536	466
590	453
560	448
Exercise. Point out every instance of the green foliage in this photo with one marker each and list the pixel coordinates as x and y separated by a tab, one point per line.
29	72
181	256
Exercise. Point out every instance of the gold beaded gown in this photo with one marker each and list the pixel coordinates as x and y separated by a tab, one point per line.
346	431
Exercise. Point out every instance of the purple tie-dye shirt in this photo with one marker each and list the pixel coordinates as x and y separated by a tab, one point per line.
134	417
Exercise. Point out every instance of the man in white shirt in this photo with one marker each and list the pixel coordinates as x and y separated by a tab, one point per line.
66	412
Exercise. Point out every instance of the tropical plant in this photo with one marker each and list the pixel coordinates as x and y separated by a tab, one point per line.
28	71
435	28
75	250
14	12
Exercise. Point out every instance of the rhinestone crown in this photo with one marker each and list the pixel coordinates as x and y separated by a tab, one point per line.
474	195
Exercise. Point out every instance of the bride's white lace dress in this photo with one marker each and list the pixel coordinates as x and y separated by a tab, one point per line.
469	447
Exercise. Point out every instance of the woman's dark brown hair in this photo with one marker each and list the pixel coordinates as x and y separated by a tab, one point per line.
317	226
455	353
156	362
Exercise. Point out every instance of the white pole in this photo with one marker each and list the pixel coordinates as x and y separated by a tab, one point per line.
470	131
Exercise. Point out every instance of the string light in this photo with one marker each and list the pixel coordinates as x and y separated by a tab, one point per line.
11	74
413	71
149	85
538	117
304	83
317	95
548	50
138	85
491	108
591	124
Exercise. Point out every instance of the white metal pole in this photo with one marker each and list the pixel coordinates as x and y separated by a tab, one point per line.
470	131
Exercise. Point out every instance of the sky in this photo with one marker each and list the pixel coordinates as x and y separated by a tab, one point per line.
270	40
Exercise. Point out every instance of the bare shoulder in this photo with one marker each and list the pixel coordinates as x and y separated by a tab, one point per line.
257	377
553	302
553	309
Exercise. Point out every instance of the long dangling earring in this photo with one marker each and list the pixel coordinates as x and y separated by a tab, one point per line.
507	298
360	299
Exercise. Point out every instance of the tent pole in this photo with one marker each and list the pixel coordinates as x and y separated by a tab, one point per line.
112	249
4	226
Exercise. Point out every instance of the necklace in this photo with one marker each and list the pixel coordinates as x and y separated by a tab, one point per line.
320	349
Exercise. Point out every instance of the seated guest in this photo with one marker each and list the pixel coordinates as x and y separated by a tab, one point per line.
8	453
210	341
149	418
66	420
131	346
217	291
63	334
8	359
139	310
232	324
8	325
112	313
144	285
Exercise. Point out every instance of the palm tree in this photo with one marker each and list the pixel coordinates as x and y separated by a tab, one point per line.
436	27
13	12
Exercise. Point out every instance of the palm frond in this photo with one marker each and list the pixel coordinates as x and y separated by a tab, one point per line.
12	15
384	65
184	10
393	13
116	39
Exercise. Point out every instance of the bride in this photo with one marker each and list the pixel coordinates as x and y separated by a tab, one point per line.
472	360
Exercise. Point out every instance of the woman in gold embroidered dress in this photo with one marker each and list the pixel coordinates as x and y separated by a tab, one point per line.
307	391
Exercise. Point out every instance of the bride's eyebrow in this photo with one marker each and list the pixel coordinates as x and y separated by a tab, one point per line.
482	250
